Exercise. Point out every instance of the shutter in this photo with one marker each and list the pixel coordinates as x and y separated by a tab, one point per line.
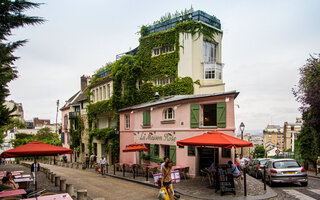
146	118
194	115
173	154
221	114
151	152
62	137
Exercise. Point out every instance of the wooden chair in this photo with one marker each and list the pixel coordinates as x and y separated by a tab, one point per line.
153	171
205	175
128	168
184	172
144	170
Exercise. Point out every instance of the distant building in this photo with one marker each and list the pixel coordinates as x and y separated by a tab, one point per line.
246	150
18	113
40	122
273	138
291	130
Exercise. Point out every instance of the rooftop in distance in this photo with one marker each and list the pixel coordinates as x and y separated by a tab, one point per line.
195	16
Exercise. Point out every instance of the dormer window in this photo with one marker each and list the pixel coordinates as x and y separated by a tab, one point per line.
169	114
162	50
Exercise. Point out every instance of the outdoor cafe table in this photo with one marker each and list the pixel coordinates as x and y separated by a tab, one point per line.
11	193
23	176
173	167
63	196
23	182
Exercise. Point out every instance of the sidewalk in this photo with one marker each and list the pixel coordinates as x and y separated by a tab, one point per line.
313	174
197	188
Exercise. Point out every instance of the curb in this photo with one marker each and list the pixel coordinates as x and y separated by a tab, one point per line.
317	177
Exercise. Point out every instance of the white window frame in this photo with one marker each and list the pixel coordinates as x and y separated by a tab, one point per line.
209	52
169	115
127	121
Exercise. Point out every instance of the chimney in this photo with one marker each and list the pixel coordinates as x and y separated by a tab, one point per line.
84	82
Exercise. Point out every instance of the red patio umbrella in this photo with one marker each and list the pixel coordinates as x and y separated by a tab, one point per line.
35	148
135	147
215	138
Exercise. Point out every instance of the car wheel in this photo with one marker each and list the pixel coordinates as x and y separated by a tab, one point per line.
304	184
270	182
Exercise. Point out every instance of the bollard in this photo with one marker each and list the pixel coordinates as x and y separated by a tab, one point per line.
114	169
82	195
57	181
124	170
50	176
264	178
134	171
147	174
107	168
62	185
245	181
70	190
53	177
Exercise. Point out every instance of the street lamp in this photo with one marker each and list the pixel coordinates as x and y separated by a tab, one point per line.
242	126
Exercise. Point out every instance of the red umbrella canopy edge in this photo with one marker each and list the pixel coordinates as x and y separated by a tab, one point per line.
35	148
135	147
215	138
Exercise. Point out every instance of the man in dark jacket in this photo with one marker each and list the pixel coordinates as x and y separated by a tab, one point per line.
35	168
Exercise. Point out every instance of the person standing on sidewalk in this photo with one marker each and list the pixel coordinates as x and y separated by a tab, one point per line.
35	168
318	164
166	180
102	162
87	161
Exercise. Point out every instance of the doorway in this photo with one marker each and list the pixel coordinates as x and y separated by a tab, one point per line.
206	156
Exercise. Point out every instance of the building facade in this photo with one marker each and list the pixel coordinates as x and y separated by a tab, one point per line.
291	131
161	123
273	138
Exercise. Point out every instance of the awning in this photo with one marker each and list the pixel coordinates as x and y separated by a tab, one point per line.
35	148
215	138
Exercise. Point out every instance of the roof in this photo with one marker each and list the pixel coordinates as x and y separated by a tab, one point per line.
175	98
67	104
81	97
99	82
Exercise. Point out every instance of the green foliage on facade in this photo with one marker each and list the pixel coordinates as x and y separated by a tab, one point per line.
76	133
95	109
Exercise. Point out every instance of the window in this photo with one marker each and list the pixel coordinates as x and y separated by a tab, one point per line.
62	137
166	151
226	153
97	95
104	92
163	81
191	151
65	123
209	73
95	148
82	147
209	52
210	115
156	150
146	118
169	114
161	50
139	84
108	91
100	93
292	128
93	96
127	121
212	71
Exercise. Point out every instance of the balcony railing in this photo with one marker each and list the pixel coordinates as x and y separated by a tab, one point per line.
195	16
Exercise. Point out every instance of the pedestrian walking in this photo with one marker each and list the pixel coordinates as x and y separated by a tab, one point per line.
87	161
102	163
166	180
35	168
92	163
318	164
166	159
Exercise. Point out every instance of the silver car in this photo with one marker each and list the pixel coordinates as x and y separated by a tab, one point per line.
285	171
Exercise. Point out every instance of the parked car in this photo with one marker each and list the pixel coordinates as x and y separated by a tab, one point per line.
249	167
258	167
285	171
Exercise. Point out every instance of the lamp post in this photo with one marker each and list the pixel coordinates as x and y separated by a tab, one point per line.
242	126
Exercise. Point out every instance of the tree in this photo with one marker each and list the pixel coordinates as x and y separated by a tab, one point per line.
11	17
259	152
308	91
13	123
308	94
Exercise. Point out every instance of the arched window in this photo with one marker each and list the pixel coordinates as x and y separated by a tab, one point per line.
169	114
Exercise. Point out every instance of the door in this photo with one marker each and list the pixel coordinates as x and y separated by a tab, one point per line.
206	156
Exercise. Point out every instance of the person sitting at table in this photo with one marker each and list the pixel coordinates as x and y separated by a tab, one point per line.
235	171
10	176
166	180
9	183
211	168
166	159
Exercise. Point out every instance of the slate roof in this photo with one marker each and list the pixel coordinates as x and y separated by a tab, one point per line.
68	102
174	98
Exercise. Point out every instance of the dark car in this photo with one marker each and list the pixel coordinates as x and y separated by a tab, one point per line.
249	166
258	167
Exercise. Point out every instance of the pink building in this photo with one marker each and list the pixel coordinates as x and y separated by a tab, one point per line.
161	123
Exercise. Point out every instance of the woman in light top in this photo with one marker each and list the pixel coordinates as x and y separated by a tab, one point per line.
166	178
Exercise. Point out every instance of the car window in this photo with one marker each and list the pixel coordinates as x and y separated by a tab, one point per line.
262	162
286	164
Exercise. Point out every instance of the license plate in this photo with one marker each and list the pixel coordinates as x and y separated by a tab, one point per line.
290	173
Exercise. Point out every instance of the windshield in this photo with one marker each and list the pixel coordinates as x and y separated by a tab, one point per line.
286	164
262	162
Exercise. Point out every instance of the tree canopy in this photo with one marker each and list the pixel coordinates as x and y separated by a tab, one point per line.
259	152
11	17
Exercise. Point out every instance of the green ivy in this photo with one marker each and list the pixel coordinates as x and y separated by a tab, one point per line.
105	135
95	109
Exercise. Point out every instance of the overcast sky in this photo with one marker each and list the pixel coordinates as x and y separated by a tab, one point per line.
264	44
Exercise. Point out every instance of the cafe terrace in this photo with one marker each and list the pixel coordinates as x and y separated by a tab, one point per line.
161	123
